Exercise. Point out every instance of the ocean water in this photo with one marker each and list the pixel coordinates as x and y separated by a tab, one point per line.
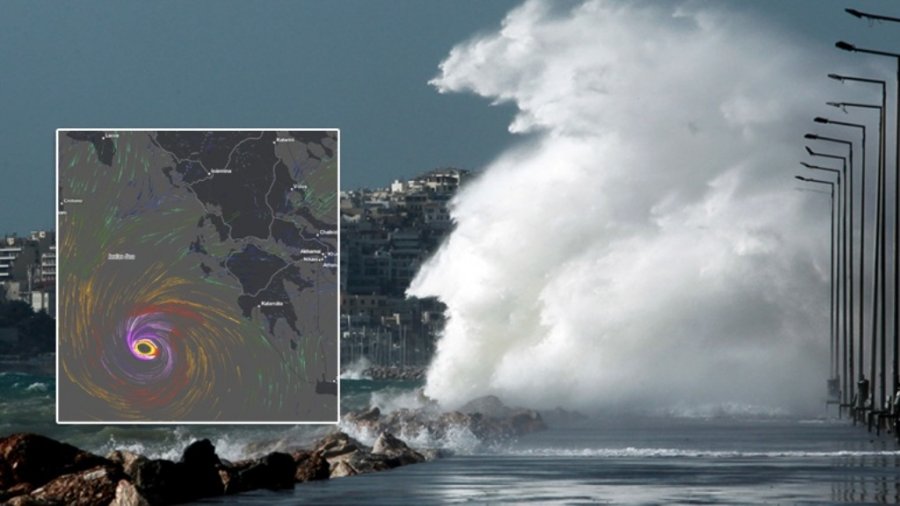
27	404
640	461
692	458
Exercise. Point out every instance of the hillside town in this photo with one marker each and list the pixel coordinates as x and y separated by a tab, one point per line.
386	235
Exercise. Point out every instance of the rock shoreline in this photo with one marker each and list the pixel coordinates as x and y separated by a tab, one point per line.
486	418
38	471
408	373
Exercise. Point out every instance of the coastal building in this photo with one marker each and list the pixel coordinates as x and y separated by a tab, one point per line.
28	269
48	265
10	251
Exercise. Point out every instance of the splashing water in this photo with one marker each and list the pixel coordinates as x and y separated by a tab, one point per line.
645	247
356	370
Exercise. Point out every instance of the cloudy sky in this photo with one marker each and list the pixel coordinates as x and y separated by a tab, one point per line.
361	66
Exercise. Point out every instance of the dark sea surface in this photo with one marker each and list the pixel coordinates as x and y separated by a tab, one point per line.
641	461
27	404
686	459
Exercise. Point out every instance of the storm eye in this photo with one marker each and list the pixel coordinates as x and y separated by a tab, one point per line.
145	349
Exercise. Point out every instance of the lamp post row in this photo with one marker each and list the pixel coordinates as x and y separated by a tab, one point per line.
895	381
879	399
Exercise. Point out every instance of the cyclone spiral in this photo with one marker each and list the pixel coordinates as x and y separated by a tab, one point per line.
157	354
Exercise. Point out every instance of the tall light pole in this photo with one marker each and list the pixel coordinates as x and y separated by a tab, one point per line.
863	384
832	304
846	284
834	381
850	47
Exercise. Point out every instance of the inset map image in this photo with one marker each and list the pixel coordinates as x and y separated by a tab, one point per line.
197	276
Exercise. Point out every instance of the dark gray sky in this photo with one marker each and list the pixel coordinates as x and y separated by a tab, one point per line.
361	66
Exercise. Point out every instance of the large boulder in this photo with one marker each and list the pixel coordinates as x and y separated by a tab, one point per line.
405	420
30	460
128	495
160	481
339	449
127	459
347	456
337	445
396	450
92	487
369	415
195	476
274	471
366	420
200	454
524	421
495	420
343	469
364	463
310	466
489	406
200	466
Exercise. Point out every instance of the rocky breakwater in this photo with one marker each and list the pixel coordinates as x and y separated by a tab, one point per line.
486	418
39	471
409	373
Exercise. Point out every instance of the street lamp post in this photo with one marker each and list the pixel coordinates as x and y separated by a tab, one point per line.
831	185
834	380
846	283
850	47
